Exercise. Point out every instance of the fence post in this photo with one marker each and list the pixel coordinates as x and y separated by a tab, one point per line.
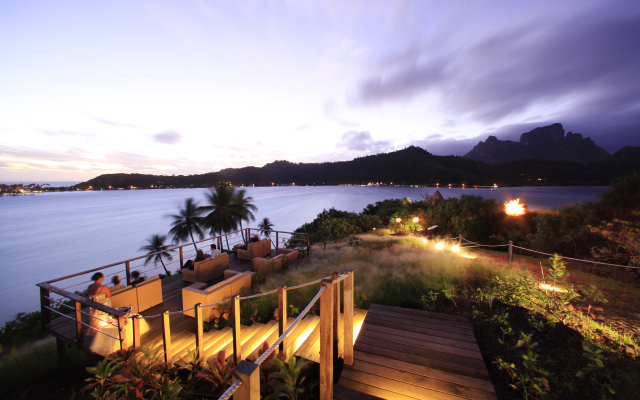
128	272
250	374
308	245
78	323
136	331
336	313
348	317
282	314
510	252
326	347
460	240
122	330
277	242
166	340
237	339
45	313
199	331
181	258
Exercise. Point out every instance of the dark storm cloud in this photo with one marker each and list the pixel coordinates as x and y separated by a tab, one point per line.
591	61
169	137
362	141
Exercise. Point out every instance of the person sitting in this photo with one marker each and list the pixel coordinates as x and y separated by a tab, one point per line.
100	294
116	283
135	275
200	256
188	265
255	238
214	252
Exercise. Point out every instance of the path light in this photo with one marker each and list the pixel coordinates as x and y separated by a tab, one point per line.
398	219
424	240
415	220
440	246
514	207
455	248
468	256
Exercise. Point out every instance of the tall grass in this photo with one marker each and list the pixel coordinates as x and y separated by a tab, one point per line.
388	270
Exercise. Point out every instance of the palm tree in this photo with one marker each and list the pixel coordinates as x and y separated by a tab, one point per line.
267	225
243	209
188	220
154	248
222	215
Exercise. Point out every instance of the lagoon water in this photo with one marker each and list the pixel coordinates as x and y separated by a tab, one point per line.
50	235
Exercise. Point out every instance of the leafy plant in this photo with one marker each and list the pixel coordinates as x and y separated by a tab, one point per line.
218	373
292	384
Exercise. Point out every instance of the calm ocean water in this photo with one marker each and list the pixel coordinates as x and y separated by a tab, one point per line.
51	235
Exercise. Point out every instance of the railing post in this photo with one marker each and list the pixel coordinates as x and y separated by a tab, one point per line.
282	314
237	339
308	245
128	272
45	313
181	258
136	331
348	317
460	240
166	340
250	374
510	252
277	242
336	314
326	345
122	330
79	337
199	331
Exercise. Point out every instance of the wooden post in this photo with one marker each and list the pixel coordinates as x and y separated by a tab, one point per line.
78	323
128	272
122	330
460	240
326	345
237	339
166	340
45	313
199	331
277	242
282	314
250	374
348	316
136	331
308	245
510	252
336	313
181	258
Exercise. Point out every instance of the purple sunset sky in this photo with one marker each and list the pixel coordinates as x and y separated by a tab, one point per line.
196	86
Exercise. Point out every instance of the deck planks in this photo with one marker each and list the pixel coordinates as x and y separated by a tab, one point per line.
411	354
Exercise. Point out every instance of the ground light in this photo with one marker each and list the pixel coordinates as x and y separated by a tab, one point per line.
440	246
398	219
468	256
424	240
415	220
455	248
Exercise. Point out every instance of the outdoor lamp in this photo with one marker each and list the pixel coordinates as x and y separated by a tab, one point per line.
415	220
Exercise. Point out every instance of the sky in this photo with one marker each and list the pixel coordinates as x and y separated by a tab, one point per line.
194	86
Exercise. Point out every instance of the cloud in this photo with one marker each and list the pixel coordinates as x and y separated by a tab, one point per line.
111	123
435	136
331	113
362	141
442	146
168	137
582	69
58	133
302	127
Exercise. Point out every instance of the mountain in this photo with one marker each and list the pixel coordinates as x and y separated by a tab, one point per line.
544	143
409	166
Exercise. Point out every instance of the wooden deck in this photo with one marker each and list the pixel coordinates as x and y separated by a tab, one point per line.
303	341
410	354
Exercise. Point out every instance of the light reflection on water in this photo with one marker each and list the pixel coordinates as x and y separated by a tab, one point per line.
50	235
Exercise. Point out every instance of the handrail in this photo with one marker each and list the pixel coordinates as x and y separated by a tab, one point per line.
286	333
232	389
82	300
163	251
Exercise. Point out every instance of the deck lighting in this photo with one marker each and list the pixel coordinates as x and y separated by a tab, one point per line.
455	248
440	246
398	219
551	287
424	240
468	256
415	220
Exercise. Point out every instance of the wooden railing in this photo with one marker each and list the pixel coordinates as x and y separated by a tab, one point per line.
47	288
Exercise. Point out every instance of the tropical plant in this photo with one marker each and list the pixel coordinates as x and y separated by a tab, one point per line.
218	373
188	220
243	209
621	199
292	384
222	210
156	249
266	225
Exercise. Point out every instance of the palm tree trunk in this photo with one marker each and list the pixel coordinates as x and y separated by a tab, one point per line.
192	239
164	266
242	233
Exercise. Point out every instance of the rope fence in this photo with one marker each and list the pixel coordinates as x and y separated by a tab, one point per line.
232	389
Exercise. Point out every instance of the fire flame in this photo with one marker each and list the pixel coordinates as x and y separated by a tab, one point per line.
514	207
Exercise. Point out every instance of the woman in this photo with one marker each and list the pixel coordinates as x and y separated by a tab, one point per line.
100	294
200	256
116	283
